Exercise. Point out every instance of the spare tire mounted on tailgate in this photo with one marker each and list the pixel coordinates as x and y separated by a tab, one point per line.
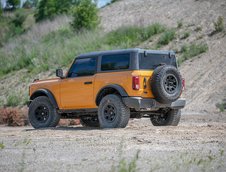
166	84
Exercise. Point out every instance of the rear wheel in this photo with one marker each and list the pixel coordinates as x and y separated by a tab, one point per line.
90	121
112	112
171	117
42	113
166	84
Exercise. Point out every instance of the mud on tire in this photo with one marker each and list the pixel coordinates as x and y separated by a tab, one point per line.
166	84
112	112
42	113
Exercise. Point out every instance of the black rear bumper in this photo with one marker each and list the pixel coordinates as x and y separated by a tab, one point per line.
142	104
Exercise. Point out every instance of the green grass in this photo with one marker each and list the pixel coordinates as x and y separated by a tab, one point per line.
59	48
13	100
166	37
131	36
190	51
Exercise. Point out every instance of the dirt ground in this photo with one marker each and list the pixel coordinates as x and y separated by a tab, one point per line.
197	144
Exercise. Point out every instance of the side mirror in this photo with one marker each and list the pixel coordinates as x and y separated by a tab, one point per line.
59	73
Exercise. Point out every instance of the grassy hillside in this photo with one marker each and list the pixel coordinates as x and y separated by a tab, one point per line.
52	44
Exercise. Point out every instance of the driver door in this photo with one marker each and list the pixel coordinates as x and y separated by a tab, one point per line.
76	91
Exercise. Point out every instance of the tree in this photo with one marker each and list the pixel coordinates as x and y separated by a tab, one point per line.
46	9
1	9
50	8
85	15
13	3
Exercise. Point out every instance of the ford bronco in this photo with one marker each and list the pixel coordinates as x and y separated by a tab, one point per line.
106	89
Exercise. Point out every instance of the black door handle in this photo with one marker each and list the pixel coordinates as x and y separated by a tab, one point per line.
88	82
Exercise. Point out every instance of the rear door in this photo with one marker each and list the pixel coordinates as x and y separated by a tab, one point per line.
147	64
76	90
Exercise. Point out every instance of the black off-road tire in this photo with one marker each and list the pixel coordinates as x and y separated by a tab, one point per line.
112	112
171	118
42	105
166	84
90	121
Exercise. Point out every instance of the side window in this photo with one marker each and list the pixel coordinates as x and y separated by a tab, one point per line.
83	67
115	62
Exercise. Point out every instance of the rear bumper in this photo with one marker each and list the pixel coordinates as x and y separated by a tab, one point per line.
141	104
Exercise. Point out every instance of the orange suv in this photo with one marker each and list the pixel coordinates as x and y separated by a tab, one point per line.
105	89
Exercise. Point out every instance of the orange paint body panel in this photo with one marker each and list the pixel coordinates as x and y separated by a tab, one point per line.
74	93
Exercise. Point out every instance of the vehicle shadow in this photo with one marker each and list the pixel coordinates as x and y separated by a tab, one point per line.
66	128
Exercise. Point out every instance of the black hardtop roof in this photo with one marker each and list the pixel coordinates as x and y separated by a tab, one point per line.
122	51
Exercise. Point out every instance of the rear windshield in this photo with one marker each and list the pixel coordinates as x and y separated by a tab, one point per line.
151	61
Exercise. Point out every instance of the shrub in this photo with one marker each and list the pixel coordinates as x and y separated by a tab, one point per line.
219	24
19	19
185	35
85	16
166	37
189	51
13	117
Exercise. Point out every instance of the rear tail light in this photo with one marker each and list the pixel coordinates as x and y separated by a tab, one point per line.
183	84
136	82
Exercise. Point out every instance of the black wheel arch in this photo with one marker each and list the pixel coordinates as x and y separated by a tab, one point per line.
110	89
44	92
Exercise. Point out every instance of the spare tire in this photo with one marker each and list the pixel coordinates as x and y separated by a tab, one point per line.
166	84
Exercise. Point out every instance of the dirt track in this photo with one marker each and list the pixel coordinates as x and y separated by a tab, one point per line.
196	144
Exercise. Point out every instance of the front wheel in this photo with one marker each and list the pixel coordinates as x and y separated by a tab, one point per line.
112	112
170	118
42	113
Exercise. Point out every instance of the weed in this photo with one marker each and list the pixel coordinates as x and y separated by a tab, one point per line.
179	24
221	106
22	163
198	29
2	146
166	37
26	141
189	51
125	166
219	24
185	35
